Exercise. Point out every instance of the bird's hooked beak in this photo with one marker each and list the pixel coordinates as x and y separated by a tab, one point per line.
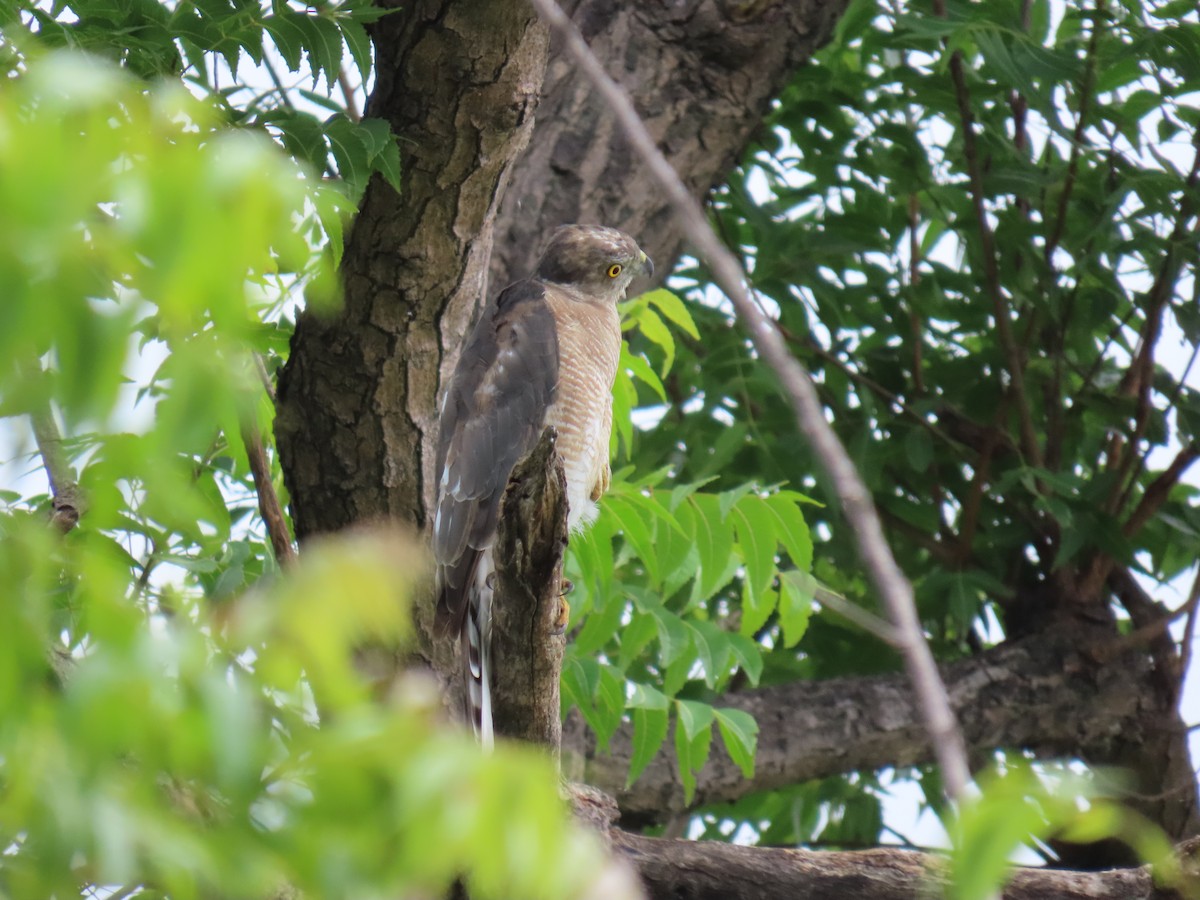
647	265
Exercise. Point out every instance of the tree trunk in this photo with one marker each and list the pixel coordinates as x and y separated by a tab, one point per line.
459	81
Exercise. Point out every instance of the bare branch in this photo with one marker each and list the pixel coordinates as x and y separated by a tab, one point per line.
1085	99
268	500
527	653
991	266
66	498
352	112
709	869
893	588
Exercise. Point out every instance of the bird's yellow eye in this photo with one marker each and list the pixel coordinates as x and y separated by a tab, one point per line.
614	270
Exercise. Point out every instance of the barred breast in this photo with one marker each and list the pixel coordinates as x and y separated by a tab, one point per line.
589	347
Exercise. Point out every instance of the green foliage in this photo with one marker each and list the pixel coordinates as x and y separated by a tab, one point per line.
226	51
174	713
1017	806
857	217
680	590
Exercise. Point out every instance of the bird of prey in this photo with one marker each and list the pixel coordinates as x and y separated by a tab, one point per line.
544	353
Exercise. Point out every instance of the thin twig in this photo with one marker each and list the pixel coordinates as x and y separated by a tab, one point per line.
343	80
264	376
1085	99
894	590
1189	630
1155	495
863	618
66	498
991	265
268	500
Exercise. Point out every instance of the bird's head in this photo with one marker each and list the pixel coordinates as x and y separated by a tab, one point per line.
597	261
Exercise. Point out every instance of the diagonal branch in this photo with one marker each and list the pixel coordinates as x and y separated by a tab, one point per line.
269	506
894	590
66	497
991	266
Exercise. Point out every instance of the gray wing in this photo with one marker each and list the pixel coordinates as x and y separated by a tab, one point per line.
492	415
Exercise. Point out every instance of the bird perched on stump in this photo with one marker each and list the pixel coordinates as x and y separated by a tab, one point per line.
544	353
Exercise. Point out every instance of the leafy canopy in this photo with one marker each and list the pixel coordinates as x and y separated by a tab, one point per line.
176	715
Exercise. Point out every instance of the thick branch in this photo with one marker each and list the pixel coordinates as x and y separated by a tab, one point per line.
894	591
712	871
1041	694
526	652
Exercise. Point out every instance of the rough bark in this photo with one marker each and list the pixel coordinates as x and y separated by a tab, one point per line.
458	81
1044	693
702	74
527	652
687	870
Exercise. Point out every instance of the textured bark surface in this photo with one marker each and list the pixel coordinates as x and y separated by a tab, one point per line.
702	74
526	653
1041	694
458	81
686	870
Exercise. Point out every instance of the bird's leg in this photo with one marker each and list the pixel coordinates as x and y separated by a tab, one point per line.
564	608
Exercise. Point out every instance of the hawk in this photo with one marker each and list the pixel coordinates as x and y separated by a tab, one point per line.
544	353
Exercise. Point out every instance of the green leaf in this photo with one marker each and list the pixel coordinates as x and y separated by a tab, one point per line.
754	523
714	648
796	590
351	150
749	656
649	733
918	446
644	696
360	46
739	732
323	40
637	528
674	309
693	740
714	542
638	368
672	632
791	528
693	716
653	329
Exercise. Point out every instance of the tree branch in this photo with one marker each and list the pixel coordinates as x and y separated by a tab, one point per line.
527	652
991	267
1041	694
269	507
716	871
894	590
67	502
1085	99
